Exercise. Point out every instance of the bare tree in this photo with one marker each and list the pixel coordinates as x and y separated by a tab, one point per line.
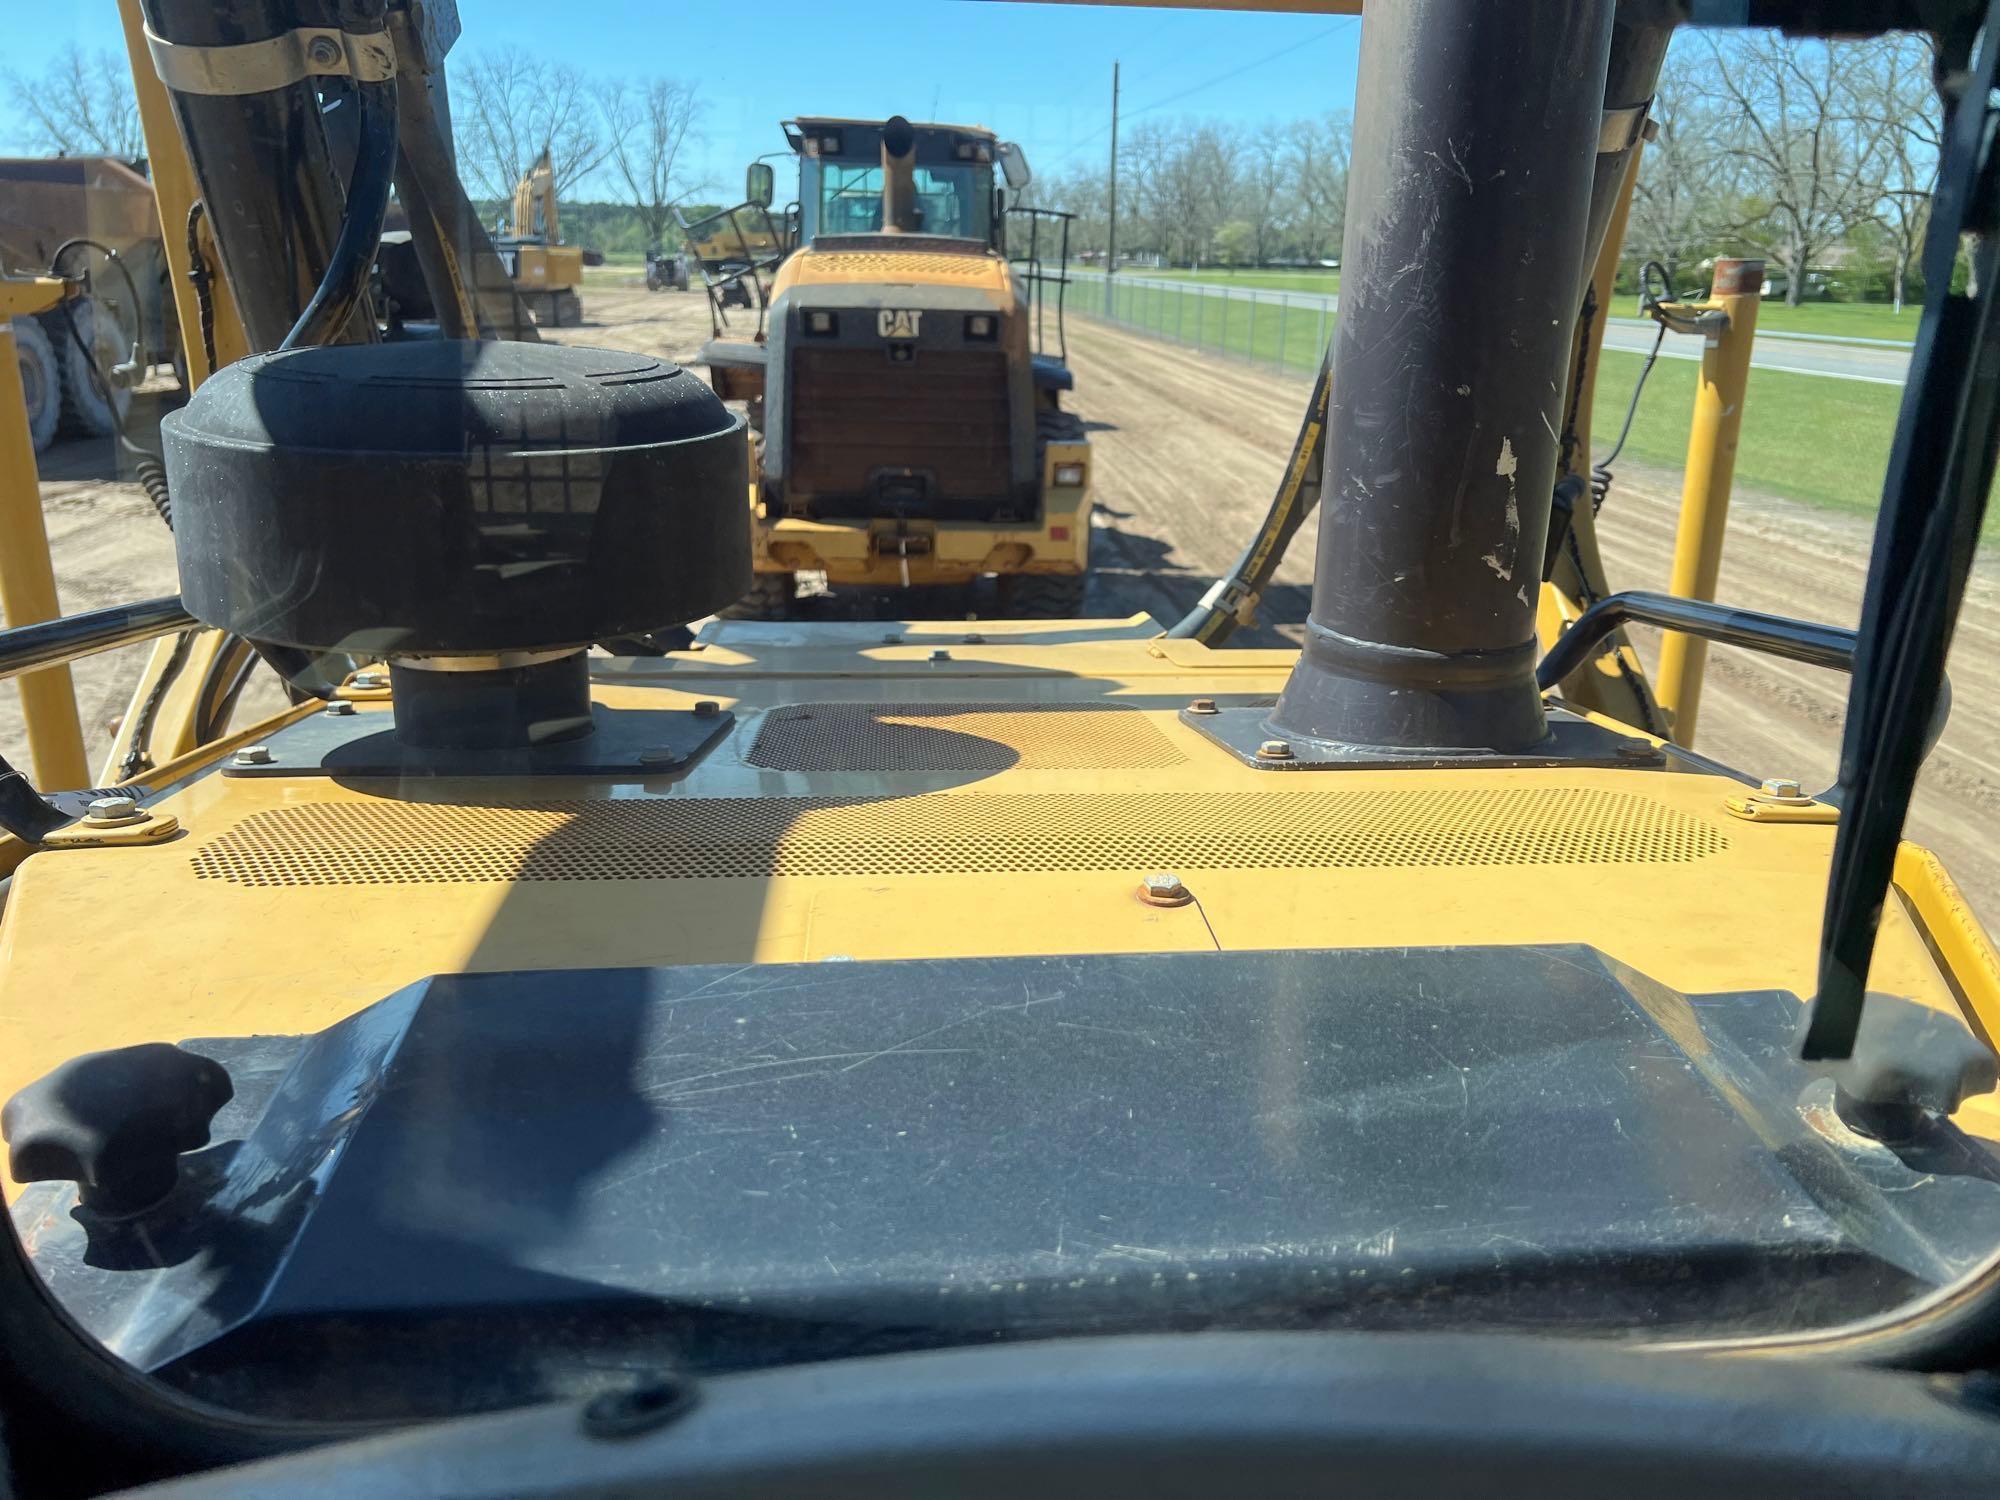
1264	199
649	123
1317	159
1810	156
1893	78
81	105
1680	196
508	106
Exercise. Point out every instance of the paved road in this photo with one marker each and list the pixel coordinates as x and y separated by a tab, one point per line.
1875	364
1774	351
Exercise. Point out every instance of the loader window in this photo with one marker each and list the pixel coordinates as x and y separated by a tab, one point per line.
953	200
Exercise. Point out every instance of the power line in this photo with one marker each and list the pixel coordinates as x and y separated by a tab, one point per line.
1208	83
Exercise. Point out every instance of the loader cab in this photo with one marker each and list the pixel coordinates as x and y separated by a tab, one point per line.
840	179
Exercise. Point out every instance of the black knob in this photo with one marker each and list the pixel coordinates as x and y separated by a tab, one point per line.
115	1123
1910	1063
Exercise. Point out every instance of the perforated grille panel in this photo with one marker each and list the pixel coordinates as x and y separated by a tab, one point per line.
942	415
900	264
684	838
959	737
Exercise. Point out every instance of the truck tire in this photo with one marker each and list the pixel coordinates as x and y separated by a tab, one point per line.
86	411
41	380
1043	596
770	598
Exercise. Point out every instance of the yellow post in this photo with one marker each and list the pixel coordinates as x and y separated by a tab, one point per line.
1711	465
174	192
28	584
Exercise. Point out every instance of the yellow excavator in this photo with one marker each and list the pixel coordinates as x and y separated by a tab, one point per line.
545	271
1052	1057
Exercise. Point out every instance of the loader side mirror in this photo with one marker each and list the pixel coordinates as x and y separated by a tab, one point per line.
759	184
1014	166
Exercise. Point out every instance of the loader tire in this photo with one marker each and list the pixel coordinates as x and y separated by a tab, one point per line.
1043	596
41	380
87	410
770	598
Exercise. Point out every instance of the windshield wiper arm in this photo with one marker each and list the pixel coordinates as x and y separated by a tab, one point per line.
1933	500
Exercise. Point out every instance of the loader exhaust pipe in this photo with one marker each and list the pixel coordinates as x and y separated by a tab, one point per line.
899	177
1475	136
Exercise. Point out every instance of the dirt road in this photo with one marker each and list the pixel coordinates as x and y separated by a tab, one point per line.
1187	457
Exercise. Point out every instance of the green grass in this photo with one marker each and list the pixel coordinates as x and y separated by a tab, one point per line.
1806	437
1853	320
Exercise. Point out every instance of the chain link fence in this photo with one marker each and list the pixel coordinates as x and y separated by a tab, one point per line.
1282	331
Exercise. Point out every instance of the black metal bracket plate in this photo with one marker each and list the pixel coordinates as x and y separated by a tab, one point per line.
1572	741
626	742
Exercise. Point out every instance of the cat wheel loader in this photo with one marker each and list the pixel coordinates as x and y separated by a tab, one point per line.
907	414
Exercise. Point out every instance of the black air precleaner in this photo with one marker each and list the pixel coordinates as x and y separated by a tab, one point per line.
1476	129
475	512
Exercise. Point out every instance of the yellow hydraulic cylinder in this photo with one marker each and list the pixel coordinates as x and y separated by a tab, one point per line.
1711	466
28	585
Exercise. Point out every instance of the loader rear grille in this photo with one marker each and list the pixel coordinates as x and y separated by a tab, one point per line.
942	415
686	838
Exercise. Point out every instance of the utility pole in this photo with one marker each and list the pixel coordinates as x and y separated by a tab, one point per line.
1111	235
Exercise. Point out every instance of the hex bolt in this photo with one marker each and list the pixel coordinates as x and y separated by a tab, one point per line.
892	640
324	52
1275	750
254	755
974	640
658	758
708	708
940	655
1638	751
1784	788
107	811
369	681
340	708
1164	889
1203	706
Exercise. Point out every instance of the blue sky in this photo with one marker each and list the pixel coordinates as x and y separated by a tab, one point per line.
1039	74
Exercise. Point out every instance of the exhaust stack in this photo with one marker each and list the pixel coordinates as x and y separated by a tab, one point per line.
1475	139
899	177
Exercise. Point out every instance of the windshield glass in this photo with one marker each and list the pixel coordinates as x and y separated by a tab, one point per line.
1244	731
952	200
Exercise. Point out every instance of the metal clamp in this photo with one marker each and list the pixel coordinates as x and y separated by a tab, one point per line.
274	63
1625	128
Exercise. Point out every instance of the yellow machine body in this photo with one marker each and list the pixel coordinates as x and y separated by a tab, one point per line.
880	800
546	273
886	553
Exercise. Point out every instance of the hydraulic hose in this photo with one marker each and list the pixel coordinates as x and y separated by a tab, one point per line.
1214	619
346	279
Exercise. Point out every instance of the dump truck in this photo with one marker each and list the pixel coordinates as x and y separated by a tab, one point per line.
908	418
1056	1057
78	364
546	272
